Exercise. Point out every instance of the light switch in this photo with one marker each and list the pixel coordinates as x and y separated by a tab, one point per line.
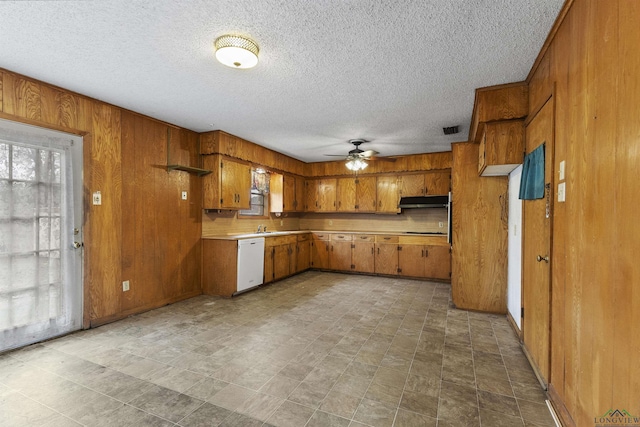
561	192
561	171
184	195
97	198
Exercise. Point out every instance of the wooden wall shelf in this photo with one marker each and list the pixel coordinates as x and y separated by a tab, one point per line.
190	169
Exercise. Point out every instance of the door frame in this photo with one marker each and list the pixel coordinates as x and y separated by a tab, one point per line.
85	178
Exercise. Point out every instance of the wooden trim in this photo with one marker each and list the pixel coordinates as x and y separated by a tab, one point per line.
41	124
535	368
552	34
514	326
558	405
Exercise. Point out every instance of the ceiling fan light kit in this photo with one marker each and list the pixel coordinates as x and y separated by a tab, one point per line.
236	51
356	164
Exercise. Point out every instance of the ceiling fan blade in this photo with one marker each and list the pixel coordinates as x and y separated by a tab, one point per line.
335	155
368	153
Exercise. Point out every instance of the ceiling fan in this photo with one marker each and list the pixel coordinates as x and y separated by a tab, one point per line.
357	158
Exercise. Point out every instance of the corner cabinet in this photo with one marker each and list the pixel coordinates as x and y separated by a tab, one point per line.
228	186
501	147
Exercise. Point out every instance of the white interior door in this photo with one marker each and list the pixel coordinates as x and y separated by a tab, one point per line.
40	234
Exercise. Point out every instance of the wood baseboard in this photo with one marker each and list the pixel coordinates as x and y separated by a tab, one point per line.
536	370
558	406
514	326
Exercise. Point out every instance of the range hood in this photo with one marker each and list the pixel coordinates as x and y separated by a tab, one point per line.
424	202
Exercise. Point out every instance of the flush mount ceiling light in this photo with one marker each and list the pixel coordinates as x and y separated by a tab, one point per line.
356	164
236	51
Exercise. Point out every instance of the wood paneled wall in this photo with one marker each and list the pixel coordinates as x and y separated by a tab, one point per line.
479	241
593	65
124	155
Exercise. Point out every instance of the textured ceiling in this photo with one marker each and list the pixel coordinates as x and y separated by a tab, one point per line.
393	72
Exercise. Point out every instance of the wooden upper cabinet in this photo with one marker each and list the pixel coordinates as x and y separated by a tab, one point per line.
327	194
301	193
438	182
387	194
288	193
502	102
228	186
346	195
311	195
412	185
501	147
366	194
426	184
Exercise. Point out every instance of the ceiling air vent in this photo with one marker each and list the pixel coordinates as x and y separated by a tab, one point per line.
450	130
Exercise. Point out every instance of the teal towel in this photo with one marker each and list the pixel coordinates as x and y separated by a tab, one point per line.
532	181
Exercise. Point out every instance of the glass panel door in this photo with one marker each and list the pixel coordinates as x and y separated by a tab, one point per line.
40	219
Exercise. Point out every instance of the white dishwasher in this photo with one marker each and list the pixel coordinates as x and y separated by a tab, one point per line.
250	263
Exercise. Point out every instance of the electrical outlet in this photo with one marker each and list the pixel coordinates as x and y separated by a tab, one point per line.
97	198
184	195
125	286
441	224
330	222
281	222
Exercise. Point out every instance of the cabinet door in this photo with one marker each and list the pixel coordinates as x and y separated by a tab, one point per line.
340	256
363	257
386	258
303	250
327	195
320	254
387	193
235	182
288	193
411	260
437	183
211	182
346	195
300	195
437	262
412	185
366	194
311	195
281	261
268	264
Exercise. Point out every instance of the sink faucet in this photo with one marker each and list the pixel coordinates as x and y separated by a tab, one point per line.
259	229
264	229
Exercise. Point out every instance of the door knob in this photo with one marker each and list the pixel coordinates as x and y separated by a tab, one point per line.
541	258
77	245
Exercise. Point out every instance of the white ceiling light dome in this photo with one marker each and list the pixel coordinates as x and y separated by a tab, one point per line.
236	51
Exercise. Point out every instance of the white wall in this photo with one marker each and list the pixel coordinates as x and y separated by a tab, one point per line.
514	279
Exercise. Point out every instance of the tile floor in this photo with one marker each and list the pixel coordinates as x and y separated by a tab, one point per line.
317	349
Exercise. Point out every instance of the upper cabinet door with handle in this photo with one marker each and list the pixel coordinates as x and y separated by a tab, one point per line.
229	184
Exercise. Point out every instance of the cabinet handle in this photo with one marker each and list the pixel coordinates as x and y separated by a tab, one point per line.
378	251
339	203
371	251
426	252
380	203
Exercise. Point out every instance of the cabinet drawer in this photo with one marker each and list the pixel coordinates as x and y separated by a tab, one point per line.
386	239
364	238
321	236
279	240
303	237
341	237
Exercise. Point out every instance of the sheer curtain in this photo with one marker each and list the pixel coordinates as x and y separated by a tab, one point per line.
39	298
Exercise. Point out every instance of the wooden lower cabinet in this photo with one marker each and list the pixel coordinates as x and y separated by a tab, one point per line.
430	261
303	253
386	258
363	256
280	258
320	251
